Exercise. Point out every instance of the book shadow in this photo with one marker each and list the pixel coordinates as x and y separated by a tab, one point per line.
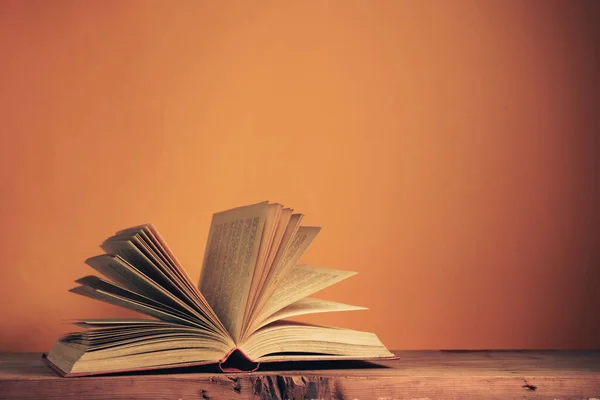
320	365
284	366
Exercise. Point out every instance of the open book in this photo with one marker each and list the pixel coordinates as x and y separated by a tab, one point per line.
250	281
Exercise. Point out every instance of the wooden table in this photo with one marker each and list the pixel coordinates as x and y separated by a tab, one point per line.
416	375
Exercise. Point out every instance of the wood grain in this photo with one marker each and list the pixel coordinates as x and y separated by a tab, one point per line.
416	375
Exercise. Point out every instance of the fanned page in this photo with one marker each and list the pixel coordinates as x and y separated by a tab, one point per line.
301	282
308	306
296	247
285	227
277	218
229	262
143	249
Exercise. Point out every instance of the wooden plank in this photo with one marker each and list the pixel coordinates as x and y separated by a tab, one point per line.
416	375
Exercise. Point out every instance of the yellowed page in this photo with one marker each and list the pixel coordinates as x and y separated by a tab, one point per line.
301	282
132	305
302	239
261	277
268	235
309	305
229	262
135	247
148	240
122	273
284	222
295	337
127	250
107	322
146	359
296	248
98	283
115	292
286	241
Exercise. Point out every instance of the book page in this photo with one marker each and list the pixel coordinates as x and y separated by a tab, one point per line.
289	222
306	306
229	262
317	342
296	248
132	305
127	250
125	334
260	275
271	224
302	239
122	273
99	284
108	322
148	240
96	287
283	239
302	281
121	348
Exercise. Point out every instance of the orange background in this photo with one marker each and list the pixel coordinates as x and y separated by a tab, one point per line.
447	148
